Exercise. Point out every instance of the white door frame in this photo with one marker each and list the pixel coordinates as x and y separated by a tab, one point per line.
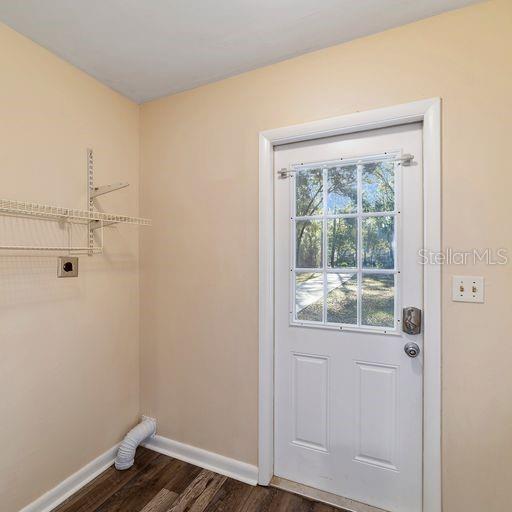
426	111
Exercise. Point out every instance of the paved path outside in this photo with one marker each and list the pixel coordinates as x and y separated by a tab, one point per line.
311	291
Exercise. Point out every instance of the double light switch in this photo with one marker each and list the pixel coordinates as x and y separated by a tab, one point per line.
468	289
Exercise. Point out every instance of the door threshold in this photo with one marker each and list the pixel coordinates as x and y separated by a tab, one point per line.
322	496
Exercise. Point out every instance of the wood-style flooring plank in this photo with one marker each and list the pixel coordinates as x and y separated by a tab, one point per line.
288	502
209	492
323	507
161	502
231	497
259	499
142	488
183	477
99	490
198	494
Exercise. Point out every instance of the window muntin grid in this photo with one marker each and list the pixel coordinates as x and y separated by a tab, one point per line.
352	283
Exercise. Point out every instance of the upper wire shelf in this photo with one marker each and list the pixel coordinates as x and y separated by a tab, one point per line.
8	206
94	220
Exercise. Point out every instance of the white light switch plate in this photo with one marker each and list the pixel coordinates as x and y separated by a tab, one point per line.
468	289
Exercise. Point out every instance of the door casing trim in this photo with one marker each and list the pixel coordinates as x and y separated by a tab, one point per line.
429	113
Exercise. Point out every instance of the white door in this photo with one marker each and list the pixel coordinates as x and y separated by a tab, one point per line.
348	399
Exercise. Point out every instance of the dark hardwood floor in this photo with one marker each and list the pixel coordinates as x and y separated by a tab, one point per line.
157	483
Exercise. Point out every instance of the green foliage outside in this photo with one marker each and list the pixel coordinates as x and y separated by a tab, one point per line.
377	195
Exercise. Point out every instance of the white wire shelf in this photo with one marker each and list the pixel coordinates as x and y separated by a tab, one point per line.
23	208
85	250
93	219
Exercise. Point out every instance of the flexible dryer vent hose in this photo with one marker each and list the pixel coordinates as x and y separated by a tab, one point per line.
126	451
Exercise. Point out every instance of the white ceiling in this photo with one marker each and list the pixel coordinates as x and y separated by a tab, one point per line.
150	48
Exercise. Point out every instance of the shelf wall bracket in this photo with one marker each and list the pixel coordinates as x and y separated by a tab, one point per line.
98	224
106	189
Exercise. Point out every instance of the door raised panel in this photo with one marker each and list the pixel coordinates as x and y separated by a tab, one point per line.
310	375
376	414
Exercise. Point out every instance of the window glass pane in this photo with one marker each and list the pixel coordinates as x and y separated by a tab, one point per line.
342	190
309	192
342	243
342	298
378	245
309	296
309	243
378	300
340	258
378	180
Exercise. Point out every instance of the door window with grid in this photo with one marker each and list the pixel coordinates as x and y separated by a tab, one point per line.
344	239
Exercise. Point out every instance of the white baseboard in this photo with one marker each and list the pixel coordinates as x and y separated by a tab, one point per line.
72	484
208	460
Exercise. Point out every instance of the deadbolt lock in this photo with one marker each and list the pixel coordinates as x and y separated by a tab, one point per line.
411	320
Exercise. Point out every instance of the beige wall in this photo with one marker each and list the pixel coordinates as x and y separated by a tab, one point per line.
69	375
199	264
